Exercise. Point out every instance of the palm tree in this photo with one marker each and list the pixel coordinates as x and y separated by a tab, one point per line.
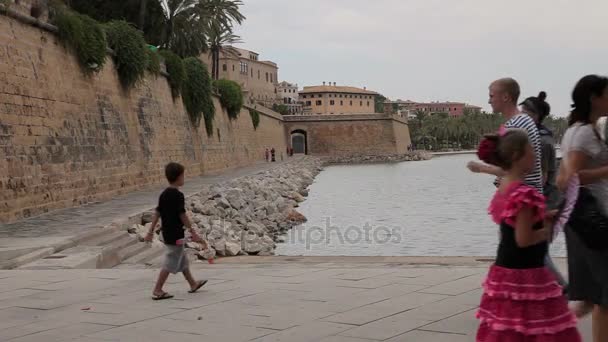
221	16
220	39
191	26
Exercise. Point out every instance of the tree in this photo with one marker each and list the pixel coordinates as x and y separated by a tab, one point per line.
221	16
379	103
280	108
220	39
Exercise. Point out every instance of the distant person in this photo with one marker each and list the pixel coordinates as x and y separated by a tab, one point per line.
522	300
267	154
272	155
504	94
538	109
171	210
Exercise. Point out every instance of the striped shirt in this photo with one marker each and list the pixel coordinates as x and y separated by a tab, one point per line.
523	121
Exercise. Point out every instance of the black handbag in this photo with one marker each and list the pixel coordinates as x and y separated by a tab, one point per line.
587	219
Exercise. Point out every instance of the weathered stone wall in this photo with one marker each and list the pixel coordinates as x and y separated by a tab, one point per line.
344	135
67	138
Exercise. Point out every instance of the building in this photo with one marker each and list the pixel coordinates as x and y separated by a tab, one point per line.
289	96
410	108
336	100
257	78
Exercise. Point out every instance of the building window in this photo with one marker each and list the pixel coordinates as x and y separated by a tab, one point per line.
308	103
319	102
361	103
320	95
271	80
331	103
225	67
232	67
251	72
340	95
368	103
304	96
341	103
351	103
266	77
258	74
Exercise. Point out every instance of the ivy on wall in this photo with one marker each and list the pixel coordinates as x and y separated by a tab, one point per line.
231	97
84	36
130	54
196	93
255	118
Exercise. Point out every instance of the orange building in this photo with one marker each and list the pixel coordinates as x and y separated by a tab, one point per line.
336	100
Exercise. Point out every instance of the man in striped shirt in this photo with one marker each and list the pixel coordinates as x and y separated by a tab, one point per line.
504	94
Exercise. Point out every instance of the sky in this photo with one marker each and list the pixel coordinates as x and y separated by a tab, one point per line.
432	50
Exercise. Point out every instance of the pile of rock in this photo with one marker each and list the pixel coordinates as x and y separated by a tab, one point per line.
247	215
387	158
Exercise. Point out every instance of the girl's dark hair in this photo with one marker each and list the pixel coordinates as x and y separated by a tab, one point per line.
537	106
503	150
585	89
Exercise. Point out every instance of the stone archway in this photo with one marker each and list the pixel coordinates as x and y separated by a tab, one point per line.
299	141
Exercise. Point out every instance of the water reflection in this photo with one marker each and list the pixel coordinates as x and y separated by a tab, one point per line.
431	208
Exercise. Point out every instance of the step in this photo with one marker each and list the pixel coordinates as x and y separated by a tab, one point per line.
84	257
71	258
110	255
132	251
105	239
147	255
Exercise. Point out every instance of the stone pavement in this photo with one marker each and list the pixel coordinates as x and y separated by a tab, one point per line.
299	300
58	226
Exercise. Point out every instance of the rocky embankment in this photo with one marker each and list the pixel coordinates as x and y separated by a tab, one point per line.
248	215
388	158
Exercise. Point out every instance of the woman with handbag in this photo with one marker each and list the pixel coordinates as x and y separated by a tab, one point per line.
586	155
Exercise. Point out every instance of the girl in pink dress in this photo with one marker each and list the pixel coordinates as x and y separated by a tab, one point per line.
522	300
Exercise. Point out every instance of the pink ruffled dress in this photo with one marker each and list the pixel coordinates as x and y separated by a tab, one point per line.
522	301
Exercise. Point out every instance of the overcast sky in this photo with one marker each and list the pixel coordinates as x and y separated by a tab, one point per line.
432	50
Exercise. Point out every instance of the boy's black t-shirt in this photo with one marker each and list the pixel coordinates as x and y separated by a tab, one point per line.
171	205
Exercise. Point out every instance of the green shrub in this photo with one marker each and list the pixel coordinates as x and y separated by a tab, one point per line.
231	97
129	51
196	93
84	36
255	118
153	62
176	71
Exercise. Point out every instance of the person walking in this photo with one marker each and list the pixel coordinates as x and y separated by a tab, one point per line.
586	155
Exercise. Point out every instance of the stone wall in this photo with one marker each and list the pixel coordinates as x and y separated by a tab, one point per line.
345	135
67	139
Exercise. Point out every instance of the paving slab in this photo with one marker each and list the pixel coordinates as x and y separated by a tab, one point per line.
298	301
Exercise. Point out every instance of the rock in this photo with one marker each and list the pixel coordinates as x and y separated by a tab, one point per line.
296	217
147	217
255	228
266	252
217	241
223	203
254	244
233	248
208	209
206	254
303	192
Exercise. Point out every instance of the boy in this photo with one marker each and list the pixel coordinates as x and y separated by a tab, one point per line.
172	212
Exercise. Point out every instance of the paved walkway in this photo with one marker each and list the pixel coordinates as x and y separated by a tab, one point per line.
56	226
323	301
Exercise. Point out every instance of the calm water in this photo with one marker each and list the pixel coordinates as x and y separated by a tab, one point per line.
431	208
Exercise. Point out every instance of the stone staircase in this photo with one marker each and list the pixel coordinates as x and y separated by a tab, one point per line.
106	250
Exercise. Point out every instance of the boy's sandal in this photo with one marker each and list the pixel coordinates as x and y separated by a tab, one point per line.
162	296
200	284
